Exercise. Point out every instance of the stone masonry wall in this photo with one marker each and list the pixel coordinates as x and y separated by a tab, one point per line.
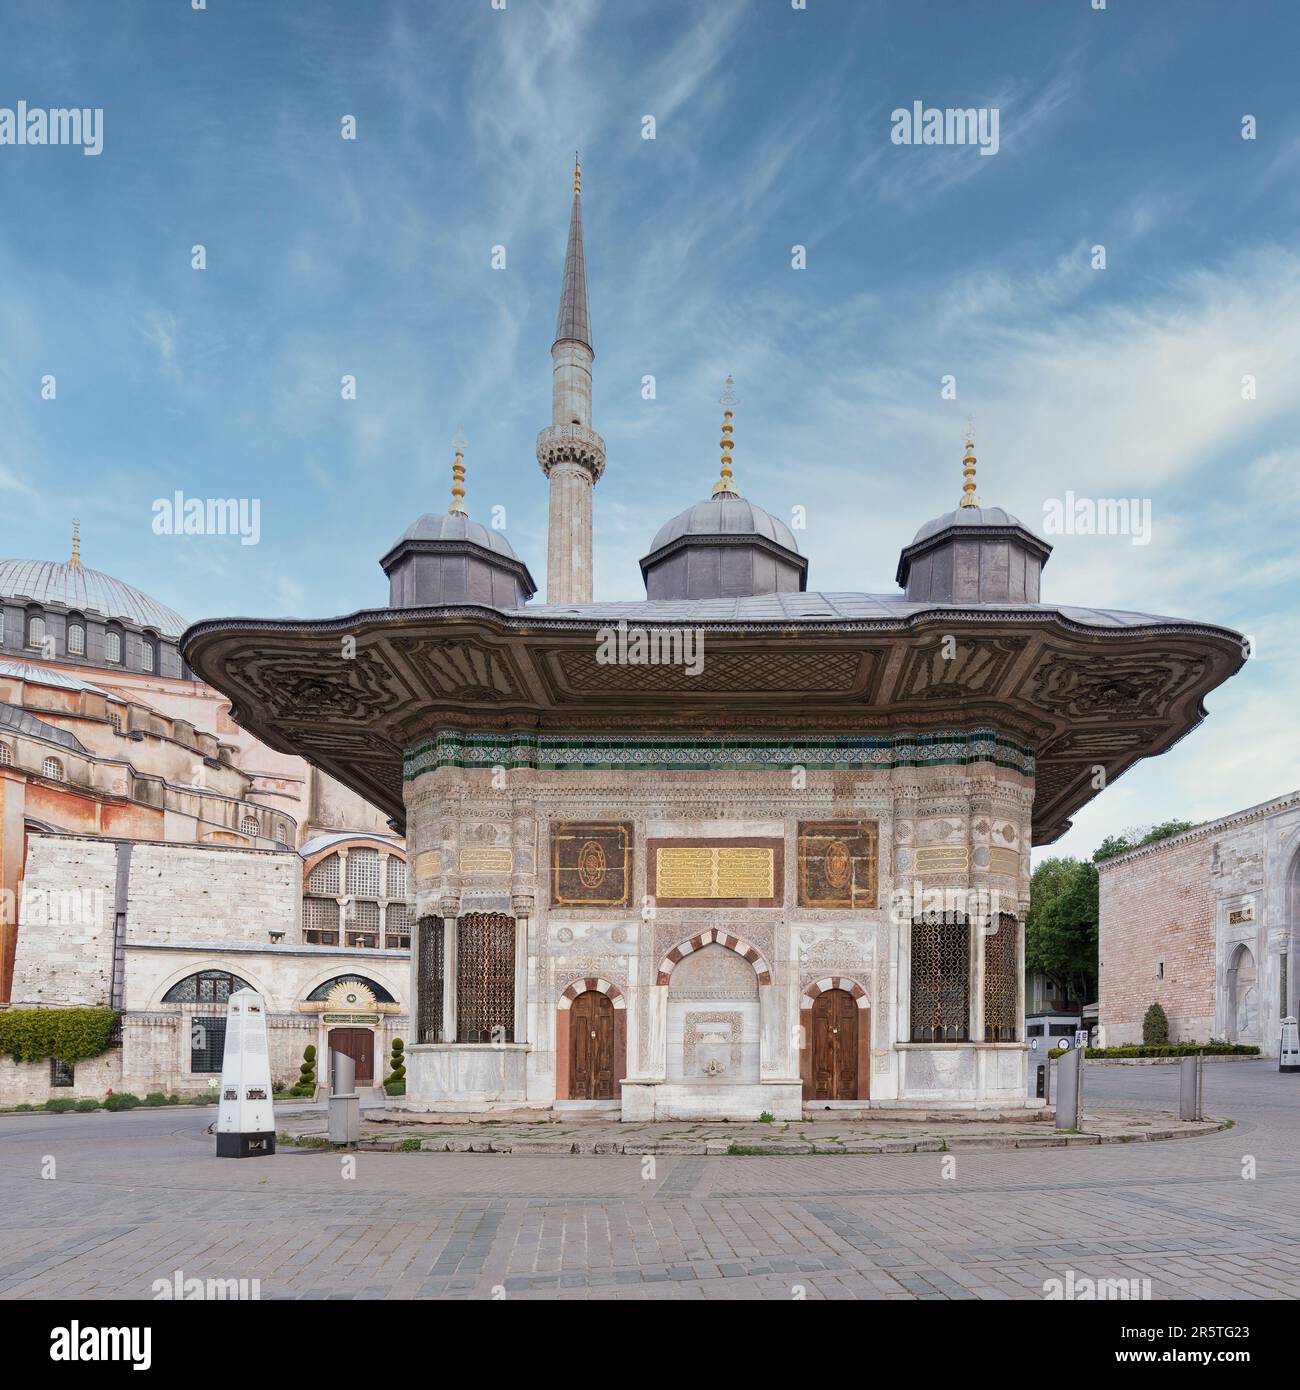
1159	906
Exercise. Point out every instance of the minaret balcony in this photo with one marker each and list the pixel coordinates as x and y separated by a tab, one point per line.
571	444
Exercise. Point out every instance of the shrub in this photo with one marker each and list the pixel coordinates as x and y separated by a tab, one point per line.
394	1087
70	1035
26	1105
1155	1027
200	1099
60	1105
155	1098
396	1064
306	1085
86	1105
121	1100
1189	1049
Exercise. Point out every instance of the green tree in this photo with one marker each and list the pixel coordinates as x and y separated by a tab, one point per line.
1061	929
1140	835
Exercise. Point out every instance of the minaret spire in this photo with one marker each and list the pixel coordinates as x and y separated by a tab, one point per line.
570	452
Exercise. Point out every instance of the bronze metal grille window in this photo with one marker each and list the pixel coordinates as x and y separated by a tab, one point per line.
1001	956
940	978
485	978
320	921
62	1073
431	971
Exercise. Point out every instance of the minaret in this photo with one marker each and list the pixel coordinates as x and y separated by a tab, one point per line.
571	453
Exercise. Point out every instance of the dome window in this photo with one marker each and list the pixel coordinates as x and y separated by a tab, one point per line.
6	757
76	639
113	645
149	655
53	769
36	629
248	826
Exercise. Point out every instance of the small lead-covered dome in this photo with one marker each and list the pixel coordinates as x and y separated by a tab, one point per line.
973	554
724	546
444	558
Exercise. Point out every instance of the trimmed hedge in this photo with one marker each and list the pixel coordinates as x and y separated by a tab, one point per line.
397	1064
68	1035
1191	1049
121	1100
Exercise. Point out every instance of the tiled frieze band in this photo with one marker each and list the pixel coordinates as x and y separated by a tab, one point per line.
828	753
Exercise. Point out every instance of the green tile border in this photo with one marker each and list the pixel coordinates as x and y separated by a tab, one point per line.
651	752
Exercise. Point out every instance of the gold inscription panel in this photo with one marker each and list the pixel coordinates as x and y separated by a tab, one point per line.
486	860
741	872
727	872
938	859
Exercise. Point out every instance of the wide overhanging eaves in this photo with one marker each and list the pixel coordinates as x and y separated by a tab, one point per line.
351	693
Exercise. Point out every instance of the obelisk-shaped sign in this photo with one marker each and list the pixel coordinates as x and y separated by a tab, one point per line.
245	1117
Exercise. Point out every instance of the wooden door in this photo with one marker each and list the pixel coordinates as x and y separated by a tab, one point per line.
359	1044
591	1048
835	1046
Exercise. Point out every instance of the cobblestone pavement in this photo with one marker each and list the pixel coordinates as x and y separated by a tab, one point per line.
138	1195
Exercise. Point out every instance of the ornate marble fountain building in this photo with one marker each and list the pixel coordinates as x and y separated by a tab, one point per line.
739	847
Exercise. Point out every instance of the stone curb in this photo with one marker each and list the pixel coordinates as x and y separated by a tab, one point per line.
722	1148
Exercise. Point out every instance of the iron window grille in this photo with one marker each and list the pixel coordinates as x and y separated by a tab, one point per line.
485	978
207	1042
430	980
1001	980
940	978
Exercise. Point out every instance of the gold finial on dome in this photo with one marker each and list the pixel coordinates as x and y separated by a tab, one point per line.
968	498
458	443
76	543
577	174
726	484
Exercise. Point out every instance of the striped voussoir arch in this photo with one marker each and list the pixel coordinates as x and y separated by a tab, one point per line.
592	982
835	982
708	938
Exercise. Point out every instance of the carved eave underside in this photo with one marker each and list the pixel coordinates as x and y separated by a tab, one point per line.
1082	698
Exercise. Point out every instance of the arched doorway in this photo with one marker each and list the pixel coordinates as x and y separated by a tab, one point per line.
591	1048
1243	996
833	1041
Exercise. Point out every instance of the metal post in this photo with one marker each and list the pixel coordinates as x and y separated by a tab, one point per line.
1067	1107
1188	1085
344	1103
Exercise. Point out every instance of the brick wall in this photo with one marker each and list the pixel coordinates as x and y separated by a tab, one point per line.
1159	906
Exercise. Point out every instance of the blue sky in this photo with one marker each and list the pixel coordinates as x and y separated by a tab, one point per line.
373	257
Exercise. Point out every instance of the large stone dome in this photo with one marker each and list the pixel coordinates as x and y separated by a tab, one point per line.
74	586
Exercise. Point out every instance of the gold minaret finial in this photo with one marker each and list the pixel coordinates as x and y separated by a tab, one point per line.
459	443
968	498
577	173
76	543
728	398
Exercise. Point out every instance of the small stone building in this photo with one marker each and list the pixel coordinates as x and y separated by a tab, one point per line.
166	932
1205	924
